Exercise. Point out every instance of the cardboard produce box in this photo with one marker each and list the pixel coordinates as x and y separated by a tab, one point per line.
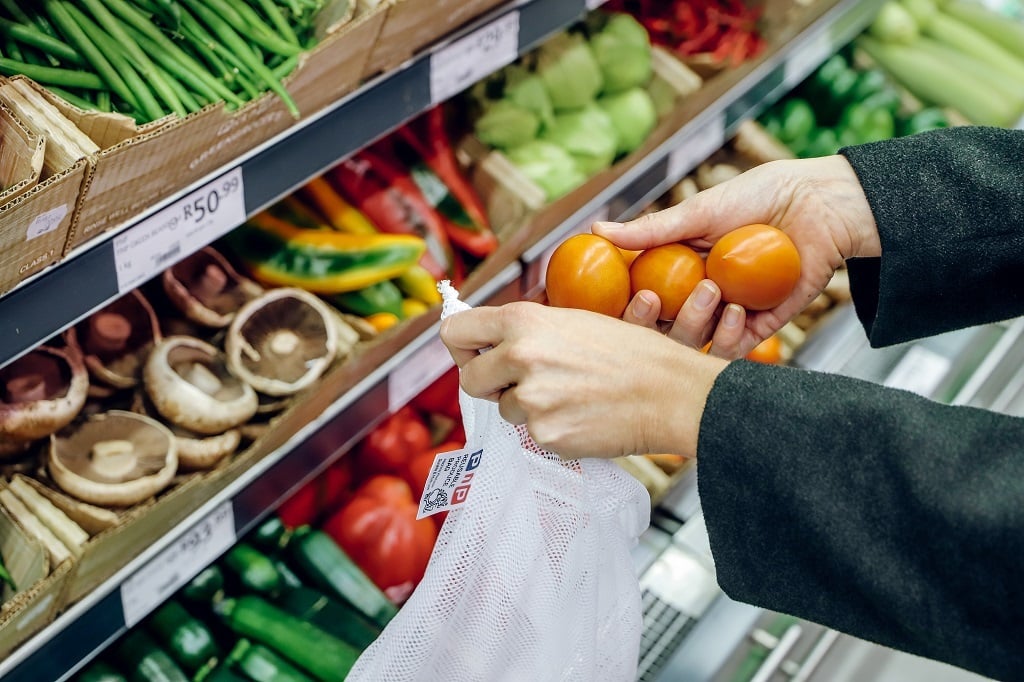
138	166
412	25
36	213
34	604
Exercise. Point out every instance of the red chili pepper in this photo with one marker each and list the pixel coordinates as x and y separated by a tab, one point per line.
387	195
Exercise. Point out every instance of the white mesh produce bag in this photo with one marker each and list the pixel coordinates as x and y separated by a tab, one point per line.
531	578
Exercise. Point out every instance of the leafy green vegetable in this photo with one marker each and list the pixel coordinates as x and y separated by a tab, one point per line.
569	71
623	51
634	116
589	135
506	124
549	166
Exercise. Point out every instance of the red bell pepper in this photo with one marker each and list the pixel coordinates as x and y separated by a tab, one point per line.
462	210
379	531
395	441
386	194
441	397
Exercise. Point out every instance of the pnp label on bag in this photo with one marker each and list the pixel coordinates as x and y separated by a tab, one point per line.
449	481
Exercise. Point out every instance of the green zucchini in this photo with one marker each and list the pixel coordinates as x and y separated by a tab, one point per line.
99	671
271	535
330	615
254	569
206	586
260	664
222	673
139	654
320	654
189	642
323	563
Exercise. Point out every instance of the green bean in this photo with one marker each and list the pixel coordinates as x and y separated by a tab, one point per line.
13	50
36	38
60	13
171	57
278	21
282	70
170	11
248	23
103	102
235	44
48	75
188	100
72	98
16	12
203	43
137	56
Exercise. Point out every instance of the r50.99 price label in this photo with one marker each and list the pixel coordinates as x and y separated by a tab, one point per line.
171	234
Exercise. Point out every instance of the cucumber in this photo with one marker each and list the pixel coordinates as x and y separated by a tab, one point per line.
271	535
145	661
206	586
99	671
254	569
222	673
289	579
322	562
323	656
260	664
330	615
189	642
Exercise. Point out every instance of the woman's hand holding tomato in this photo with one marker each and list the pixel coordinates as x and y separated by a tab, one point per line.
818	203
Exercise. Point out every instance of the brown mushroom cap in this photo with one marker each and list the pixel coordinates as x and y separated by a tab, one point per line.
115	459
281	342
207	290
197	453
41	392
189	384
116	340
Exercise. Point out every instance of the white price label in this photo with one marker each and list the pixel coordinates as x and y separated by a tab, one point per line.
155	582
806	58
696	148
469	59
46	222
537	273
168	236
419	370
920	371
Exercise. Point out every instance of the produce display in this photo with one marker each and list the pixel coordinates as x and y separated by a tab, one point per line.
953	53
713	33
149	59
567	111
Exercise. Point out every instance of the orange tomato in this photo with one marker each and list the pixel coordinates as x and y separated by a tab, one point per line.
756	266
768	351
629	256
588	272
672	271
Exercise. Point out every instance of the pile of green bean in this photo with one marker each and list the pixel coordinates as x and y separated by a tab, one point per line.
152	58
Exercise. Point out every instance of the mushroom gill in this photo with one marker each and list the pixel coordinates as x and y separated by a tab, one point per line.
41	392
207	290
116	340
115	459
281	342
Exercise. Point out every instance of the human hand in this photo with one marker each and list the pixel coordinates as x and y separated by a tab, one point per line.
818	202
585	385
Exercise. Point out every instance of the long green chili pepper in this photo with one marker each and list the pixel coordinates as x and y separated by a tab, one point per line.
138	58
174	59
48	75
235	44
60	13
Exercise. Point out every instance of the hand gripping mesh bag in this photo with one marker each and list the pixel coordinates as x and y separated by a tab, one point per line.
531	578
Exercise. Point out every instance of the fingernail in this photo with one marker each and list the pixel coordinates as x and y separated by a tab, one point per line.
605	226
705	295
731	315
642	305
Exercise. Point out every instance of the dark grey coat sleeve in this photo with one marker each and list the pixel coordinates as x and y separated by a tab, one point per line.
872	510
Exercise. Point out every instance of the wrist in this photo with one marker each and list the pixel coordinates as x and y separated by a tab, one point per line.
848	213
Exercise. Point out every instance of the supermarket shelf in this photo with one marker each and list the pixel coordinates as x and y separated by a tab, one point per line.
148	580
88	279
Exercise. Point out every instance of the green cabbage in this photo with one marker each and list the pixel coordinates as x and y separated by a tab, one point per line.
506	124
623	52
526	89
589	135
549	166
634	116
569	71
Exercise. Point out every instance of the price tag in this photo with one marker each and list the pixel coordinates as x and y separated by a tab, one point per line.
920	371
696	149
536	276
46	222
170	235
806	58
419	370
469	59
155	582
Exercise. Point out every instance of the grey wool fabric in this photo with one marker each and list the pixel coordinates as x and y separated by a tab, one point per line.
872	510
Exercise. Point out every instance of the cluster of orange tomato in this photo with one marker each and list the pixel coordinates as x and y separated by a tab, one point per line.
755	266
